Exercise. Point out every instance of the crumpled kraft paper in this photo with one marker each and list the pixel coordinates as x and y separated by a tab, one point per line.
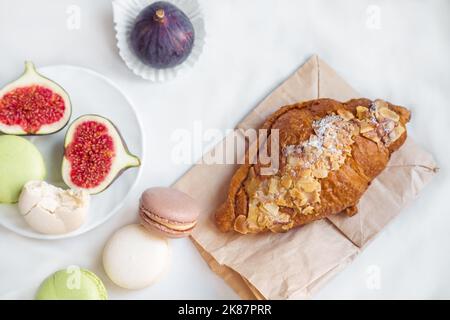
295	264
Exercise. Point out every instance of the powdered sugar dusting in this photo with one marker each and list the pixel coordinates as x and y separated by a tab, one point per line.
322	127
372	112
330	134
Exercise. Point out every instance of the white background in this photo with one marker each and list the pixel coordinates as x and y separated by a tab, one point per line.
252	46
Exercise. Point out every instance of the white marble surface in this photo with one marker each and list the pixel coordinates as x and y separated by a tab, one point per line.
252	45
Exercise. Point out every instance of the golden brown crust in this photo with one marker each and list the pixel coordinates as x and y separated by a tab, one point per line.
341	189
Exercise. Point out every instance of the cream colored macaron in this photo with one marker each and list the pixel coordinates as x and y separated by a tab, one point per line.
134	258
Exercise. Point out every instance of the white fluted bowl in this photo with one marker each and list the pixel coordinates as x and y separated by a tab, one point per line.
125	13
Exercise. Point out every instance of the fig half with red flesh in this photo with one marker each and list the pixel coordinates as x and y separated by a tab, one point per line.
95	154
33	105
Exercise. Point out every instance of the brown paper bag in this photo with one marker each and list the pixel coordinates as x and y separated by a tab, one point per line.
295	264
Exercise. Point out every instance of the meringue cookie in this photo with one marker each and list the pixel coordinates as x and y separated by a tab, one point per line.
52	210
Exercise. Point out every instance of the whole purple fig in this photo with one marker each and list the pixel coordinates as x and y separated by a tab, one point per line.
162	35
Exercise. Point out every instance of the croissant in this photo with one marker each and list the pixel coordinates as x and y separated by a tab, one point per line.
329	152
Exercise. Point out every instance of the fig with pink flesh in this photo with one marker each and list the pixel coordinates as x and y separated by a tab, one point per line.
162	35
33	105
95	154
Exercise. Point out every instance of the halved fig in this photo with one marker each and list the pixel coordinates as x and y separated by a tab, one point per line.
33	105
95	154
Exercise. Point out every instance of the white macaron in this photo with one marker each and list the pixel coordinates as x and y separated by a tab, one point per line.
134	258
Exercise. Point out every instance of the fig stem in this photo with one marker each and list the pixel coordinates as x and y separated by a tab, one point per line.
29	66
160	14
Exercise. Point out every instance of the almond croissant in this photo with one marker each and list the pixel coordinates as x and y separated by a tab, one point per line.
329	152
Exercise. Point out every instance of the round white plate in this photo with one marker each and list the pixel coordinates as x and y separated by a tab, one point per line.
90	93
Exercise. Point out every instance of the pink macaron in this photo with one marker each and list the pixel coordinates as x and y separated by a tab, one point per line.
168	211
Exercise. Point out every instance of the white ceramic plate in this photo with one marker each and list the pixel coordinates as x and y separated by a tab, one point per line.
90	93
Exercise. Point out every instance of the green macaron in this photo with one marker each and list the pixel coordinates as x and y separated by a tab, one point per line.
20	162
72	283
